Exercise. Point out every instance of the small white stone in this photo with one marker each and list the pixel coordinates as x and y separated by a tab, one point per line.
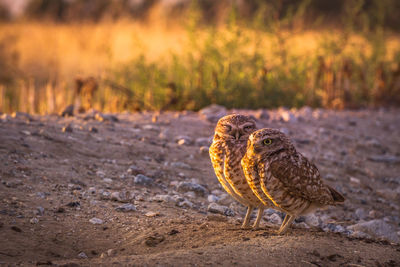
95	220
212	198
34	220
82	255
354	180
107	180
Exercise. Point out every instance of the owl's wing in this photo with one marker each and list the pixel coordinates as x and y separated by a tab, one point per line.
217	156
301	178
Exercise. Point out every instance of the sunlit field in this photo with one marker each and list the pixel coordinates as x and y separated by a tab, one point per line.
174	66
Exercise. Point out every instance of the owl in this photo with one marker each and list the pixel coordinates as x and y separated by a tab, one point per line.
226	152
276	171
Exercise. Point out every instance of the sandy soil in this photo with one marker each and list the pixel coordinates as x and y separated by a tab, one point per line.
57	174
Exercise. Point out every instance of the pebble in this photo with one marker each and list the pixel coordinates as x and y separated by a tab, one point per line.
40	211
216	208
188	186
111	252
274	218
134	170
213	113
181	165
150	127
287	116
34	220
185	204
354	180
82	255
204	150
105	195
331	227
212	198
184	140
92	190
123	196
142	180
163	198
107	180
312	220
95	220
126	207
203	141
105	117
67	129
385	159
360	214
376	229
151	214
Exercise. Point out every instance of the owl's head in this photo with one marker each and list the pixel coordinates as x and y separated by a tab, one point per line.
235	127
269	142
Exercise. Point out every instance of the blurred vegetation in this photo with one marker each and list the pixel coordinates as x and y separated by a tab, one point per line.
248	54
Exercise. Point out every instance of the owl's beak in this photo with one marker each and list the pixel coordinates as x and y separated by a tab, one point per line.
237	135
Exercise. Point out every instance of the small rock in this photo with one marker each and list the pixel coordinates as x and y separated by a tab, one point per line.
111	252
302	225
185	204
262	114
204	150
142	180
212	198
150	127
107	180
105	195
151	214
355	181
184	140
67	129
93	129
134	170
105	117
360	214
213	113
224	210
82	255
203	141
40	211
385	159
275	219
330	227
216	218
377	229
92	190
126	207
154	240
181	165
16	229
95	220
288	116
187	186
68	111
34	220
312	220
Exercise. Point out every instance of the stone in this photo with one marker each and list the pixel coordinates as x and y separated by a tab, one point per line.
212	198
67	129
126	207
203	141
385	159
274	218
183	140
185	204
181	165
287	116
154	240
82	255
188	186
163	198
377	229
151	214
355	181
68	111
95	220
92	190
107	180
134	170
360	214
143	180
204	150
331	227
40	211
213	113
312	220
123	196
105	117
150	127
262	114
216	208
111	252
34	220
105	195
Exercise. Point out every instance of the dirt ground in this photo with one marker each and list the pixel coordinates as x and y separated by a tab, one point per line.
71	193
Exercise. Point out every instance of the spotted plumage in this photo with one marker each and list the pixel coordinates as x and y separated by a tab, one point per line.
276	171
226	152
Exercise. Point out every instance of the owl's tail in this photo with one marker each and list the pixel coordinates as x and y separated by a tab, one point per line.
337	197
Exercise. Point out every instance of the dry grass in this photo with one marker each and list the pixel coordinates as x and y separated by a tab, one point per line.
46	58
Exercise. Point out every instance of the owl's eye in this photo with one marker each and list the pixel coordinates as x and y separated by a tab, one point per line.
227	127
267	141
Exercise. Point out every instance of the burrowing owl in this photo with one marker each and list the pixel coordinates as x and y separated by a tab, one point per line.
276	171
226	151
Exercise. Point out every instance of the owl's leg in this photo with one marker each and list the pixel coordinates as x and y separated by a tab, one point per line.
285	220
247	217
287	224
259	216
